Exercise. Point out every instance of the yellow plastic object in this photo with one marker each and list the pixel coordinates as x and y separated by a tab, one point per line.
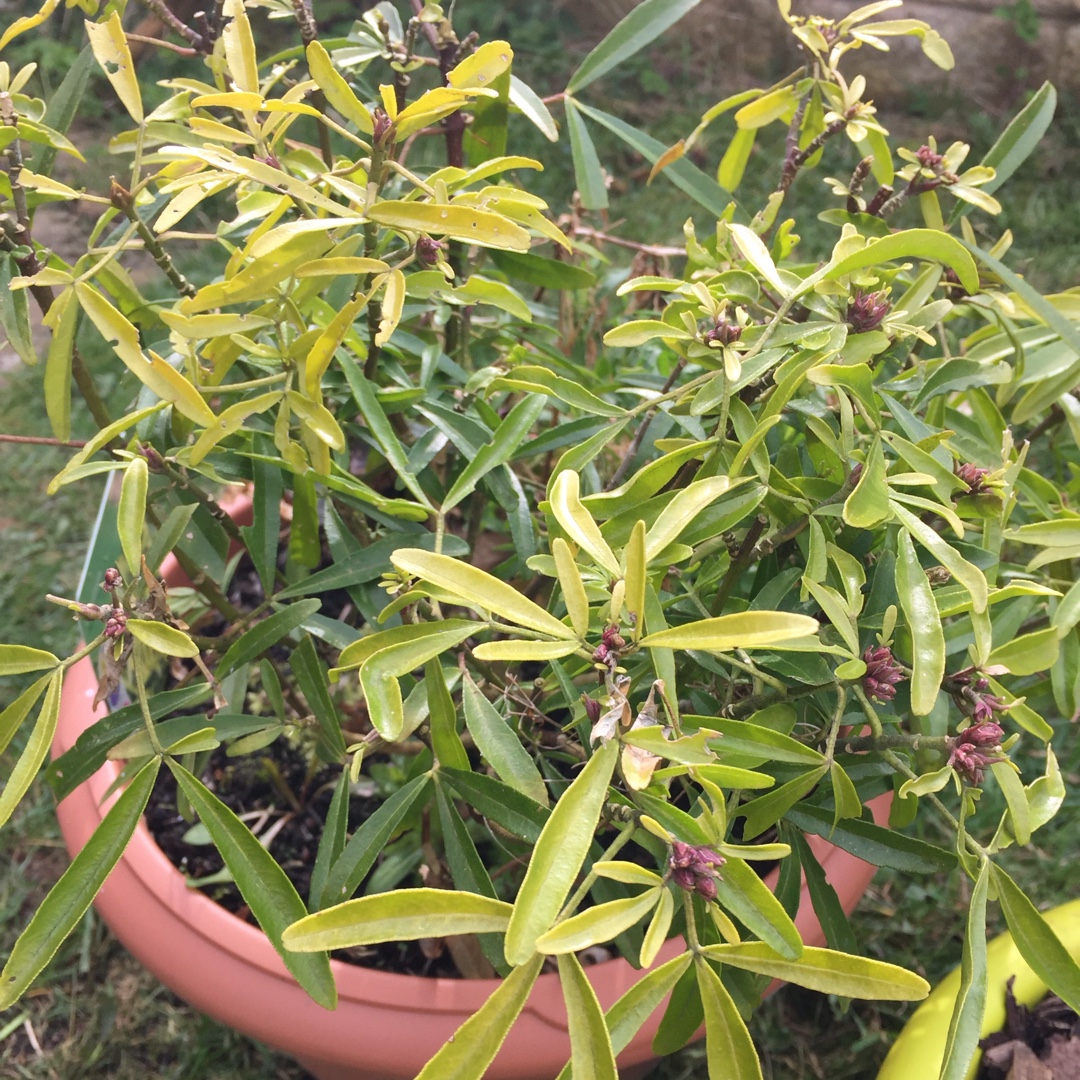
920	1049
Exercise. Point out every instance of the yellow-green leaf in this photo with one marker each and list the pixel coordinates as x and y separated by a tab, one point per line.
28	22
240	47
515	649
230	421
111	50
337	90
476	588
1029	653
18	659
868	504
458	222
37	746
392	303
578	523
743	630
131	511
591	1053
636	579
163	638
924	622
559	854
483	67
728	1045
573	588
603	922
826	971
401	915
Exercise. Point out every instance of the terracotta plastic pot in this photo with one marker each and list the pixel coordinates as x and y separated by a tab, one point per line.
386	1026
920	1048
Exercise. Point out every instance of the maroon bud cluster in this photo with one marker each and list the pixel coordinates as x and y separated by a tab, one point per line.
867	311
723	333
113	580
974	477
116	623
928	158
607	652
154	461
694	868
271	160
428	251
882	673
976	748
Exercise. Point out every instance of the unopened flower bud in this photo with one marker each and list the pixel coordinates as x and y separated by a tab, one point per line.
113	579
866	311
120	197
975	749
116	623
882	673
929	159
694	868
723	333
592	708
974	477
383	127
428	251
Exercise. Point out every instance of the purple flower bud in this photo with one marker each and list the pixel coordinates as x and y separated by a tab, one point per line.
882	673
694	868
113	580
116	623
866	311
383	127
929	159
592	708
428	251
976	748
724	333
974	477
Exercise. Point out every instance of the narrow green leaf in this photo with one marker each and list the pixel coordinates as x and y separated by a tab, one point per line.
761	743
595	925
730	1049
588	174
367	843
1037	943
263	534
508	436
472	1048
559	854
467	869
311	678
845	798
266	889
769	808
15	312
169	535
63	908
37	746
646	22
64	104
659	927
1016	143
965	1027
742	892
262	635
162	638
684	174
682	512
826	971
445	740
590	1044
500	745
516	813
826	903
871	842
402	915
757	254
479	589
924	622
332	841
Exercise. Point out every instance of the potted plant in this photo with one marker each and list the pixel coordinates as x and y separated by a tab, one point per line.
601	624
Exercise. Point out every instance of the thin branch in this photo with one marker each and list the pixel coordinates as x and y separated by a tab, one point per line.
178	26
41	440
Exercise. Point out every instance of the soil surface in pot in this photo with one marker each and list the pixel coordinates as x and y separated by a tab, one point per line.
1042	1043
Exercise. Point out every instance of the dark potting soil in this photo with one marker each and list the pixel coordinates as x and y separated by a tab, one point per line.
1042	1043
254	787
